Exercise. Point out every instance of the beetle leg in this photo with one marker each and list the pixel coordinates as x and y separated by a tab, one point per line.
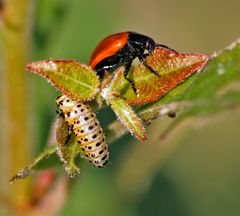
125	73
151	69
142	60
143	57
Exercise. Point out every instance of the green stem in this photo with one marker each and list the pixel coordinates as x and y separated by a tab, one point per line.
15	149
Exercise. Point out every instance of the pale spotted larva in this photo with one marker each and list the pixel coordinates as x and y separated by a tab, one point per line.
86	128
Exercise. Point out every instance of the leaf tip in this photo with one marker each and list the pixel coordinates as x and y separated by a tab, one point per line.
143	137
35	67
30	67
23	173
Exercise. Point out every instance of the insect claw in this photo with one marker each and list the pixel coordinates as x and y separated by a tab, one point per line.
135	90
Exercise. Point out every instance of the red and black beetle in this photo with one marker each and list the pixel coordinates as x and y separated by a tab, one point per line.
121	49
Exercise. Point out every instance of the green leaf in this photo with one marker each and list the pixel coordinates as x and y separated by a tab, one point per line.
72	78
214	89
28	170
173	68
128	117
68	148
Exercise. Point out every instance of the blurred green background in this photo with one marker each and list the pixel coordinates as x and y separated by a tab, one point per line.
197	172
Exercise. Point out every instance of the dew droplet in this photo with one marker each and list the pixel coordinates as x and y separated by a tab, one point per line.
221	69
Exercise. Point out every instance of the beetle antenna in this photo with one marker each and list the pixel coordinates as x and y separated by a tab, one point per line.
164	46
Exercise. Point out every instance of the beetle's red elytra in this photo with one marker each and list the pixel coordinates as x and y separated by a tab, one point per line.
108	47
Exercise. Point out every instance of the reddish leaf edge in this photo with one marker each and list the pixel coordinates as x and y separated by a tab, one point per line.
133	133
198	67
31	68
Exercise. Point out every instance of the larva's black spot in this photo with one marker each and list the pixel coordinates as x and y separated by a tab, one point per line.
98	144
90	127
58	97
83	149
93	155
84	103
82	131
94	136
100	132
104	157
67	100
92	115
75	111
85	140
100	166
89	147
78	122
82	110
103	139
68	114
96	123
79	141
101	152
86	118
79	105
105	163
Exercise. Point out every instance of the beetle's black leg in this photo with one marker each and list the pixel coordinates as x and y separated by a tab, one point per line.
142	60
151	69
144	56
125	73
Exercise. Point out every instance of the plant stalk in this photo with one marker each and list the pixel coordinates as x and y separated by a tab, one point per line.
15	151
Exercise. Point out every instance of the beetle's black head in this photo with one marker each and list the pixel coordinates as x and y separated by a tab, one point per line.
141	41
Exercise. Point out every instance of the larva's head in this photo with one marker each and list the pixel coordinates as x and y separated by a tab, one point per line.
65	101
60	100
